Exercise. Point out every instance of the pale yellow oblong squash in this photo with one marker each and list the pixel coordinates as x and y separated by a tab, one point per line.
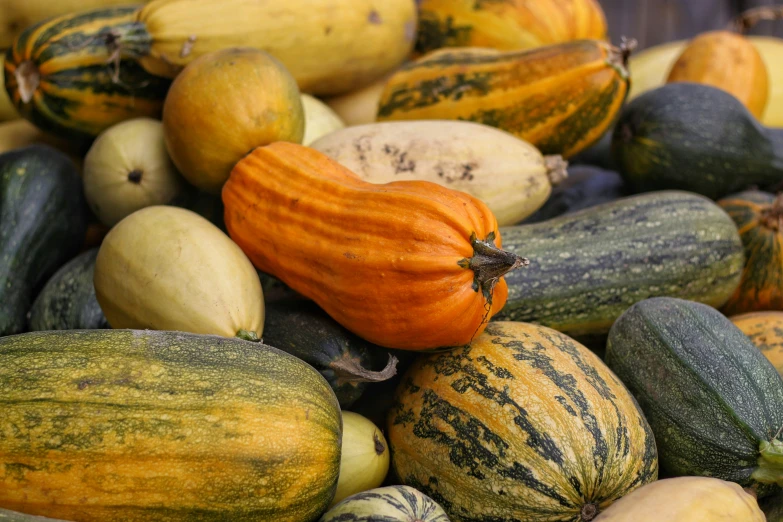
167	268
685	499
508	174
364	461
320	119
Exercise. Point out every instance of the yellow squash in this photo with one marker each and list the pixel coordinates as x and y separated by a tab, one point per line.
364	460
329	46
320	119
167	268
685	499
561	98
508	174
765	329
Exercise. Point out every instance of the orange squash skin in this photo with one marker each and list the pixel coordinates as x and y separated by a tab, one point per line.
385	261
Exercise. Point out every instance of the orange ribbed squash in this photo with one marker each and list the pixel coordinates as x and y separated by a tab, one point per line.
408	264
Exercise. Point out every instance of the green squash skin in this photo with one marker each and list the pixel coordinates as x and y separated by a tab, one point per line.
68	301
588	267
303	330
13	516
43	220
103	397
387	504
694	137
709	394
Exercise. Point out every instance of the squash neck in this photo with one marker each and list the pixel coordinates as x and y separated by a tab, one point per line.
247	335
770	463
489	263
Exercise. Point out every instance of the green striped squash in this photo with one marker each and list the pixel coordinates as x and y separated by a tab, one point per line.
714	402
389	504
136	425
588	267
76	75
523	424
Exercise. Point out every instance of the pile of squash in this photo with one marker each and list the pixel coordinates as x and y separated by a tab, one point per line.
363	260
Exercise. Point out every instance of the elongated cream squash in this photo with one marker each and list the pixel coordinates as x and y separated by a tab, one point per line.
523	424
685	499
167	268
508	174
320	119
360	106
561	98
364	461
329	46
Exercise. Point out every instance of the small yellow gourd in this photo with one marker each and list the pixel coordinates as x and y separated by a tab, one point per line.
320	119
365	457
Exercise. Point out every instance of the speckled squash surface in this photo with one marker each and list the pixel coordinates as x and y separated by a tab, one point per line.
765	330
389	504
163	426
523	424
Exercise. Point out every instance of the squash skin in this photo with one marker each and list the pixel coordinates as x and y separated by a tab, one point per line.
675	137
364	461
765	330
762	278
518	24
408	234
142	280
308	36
13	516
164	426
77	96
360	106
588	267
67	301
685	499
521	425
222	106
509	175
521	92
710	396
43	219
393	503
320	119
705	61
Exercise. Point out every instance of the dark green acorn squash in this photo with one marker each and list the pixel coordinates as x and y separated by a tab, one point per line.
588	267
302	329
67	301
43	220
714	402
695	137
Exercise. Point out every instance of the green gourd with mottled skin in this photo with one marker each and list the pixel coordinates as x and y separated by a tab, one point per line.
588	267
695	137
43	220
714	402
68	301
163	426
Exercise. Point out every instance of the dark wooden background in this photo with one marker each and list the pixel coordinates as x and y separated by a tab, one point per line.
652	22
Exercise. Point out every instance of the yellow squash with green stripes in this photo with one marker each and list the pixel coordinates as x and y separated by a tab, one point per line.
71	76
561	98
523	424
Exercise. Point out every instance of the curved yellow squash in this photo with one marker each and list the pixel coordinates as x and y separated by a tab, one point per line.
507	25
523	424
167	268
765	329
508	174
650	69
685	499
329	46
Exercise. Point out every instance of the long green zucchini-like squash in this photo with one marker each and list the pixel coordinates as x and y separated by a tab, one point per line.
132	425
588	267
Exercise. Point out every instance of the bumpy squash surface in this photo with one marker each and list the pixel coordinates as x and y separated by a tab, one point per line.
408	265
524	424
163	426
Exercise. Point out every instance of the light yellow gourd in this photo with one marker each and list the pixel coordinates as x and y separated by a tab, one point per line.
167	268
320	119
365	457
360	106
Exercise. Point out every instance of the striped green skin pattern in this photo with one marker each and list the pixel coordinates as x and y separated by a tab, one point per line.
523	424
67	301
709	394
13	516
163	426
588	267
81	88
694	137
389	504
43	219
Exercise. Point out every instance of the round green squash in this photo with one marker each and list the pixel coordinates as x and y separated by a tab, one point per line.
389	504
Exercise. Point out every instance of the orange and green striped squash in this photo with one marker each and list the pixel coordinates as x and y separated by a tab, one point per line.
76	75
523	424
507	25
561	98
154	426
765	329
759	218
